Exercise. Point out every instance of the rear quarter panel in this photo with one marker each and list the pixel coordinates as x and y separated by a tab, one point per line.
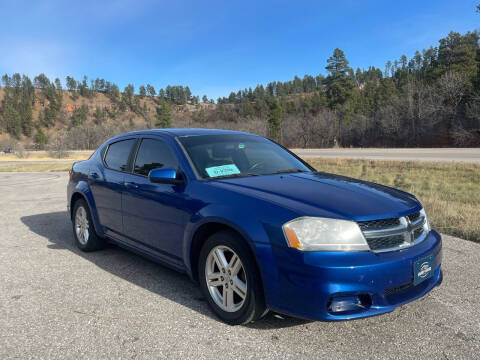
79	184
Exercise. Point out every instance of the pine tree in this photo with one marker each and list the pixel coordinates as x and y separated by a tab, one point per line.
275	120
71	84
128	93
151	90
247	109
40	139
220	111
13	121
458	53
164	115
26	106
41	81
72	87
142	91
200	116
188	94
161	94
79	116
99	115
340	81
83	87
261	108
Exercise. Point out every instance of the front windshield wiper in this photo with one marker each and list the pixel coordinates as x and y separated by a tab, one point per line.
287	171
232	176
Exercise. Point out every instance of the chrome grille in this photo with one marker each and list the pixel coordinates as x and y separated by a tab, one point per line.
385	242
417	233
378	224
394	233
414	216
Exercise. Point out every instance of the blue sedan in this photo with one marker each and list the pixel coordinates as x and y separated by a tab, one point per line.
257	228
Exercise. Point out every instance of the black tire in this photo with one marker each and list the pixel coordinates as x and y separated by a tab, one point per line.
93	241
253	306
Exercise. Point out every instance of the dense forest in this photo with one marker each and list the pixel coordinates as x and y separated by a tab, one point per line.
432	99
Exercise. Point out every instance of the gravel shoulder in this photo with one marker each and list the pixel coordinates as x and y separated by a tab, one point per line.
56	302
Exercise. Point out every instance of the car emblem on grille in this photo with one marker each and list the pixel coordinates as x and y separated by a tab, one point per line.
395	233
408	235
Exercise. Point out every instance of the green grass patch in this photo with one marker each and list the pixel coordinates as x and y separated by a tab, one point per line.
450	192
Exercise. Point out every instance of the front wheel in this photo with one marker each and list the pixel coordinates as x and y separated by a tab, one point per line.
229	279
83	229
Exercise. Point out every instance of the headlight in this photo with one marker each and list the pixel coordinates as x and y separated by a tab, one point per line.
426	225
323	234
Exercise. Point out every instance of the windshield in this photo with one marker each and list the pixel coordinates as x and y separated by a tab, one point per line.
238	155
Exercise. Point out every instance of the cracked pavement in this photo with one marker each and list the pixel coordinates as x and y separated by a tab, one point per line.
57	302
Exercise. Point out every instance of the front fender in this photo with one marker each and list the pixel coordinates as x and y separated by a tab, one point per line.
83	189
252	230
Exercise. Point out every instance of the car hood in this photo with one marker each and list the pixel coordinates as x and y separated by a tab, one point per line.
323	194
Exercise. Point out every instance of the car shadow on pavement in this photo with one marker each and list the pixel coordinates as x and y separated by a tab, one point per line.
161	280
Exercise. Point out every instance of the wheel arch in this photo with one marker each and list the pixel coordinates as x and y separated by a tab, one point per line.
75	197
87	196
204	231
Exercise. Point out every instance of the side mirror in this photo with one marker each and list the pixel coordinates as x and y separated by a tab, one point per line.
164	176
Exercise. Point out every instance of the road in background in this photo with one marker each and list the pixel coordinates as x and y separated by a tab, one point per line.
58	302
471	155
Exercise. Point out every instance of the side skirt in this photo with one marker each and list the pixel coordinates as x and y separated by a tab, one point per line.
160	260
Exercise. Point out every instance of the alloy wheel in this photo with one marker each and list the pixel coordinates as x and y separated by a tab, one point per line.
226	278
81	225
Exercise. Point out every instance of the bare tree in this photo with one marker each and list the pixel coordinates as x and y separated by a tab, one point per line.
452	87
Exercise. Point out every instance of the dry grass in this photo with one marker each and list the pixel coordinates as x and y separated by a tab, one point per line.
450	192
43	156
36	167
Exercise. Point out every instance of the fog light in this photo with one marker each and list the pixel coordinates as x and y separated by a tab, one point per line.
341	304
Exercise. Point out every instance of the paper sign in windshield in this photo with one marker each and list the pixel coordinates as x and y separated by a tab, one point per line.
229	169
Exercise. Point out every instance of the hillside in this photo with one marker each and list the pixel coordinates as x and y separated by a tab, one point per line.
431	100
96	115
101	101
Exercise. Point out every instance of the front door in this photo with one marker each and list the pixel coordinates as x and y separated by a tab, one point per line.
154	215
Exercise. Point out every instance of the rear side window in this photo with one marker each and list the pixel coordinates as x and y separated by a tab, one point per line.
118	154
153	154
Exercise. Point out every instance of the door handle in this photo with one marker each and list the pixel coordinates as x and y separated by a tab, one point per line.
131	185
94	175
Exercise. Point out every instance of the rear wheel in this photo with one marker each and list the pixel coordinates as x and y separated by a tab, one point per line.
229	279
83	229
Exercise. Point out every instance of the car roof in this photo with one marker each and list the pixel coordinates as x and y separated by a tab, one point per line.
185	132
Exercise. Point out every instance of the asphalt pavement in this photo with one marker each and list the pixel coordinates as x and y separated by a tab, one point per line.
59	303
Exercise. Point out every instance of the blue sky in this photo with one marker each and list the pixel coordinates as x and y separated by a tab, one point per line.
216	46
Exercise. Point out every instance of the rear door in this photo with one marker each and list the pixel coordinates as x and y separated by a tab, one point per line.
154	215
107	184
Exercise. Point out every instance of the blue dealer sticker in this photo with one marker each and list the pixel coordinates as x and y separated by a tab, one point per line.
223	170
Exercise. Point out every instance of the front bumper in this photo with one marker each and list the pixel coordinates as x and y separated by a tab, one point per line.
308	281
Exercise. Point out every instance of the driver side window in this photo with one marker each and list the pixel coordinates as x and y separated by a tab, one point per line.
153	154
